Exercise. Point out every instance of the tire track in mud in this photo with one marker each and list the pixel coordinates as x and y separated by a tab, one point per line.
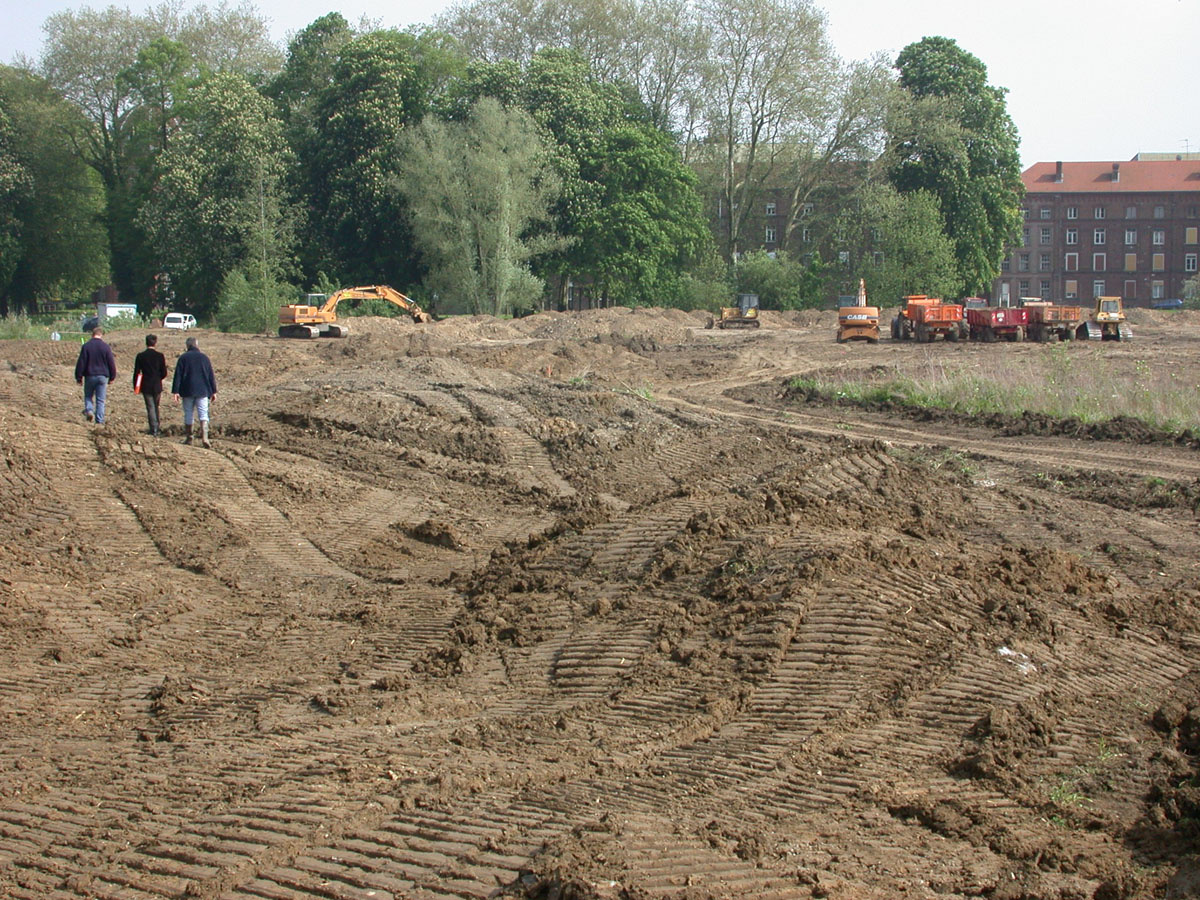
525	456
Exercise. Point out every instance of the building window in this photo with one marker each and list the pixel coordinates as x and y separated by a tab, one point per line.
1024	213
1156	290
1023	262
805	236
1130	262
1189	262
1099	262
1072	262
1023	288
844	257
1072	212
1072	235
1044	262
1158	262
1099	212
1189	234
877	256
1071	289
1131	212
1098	236
1045	235
806	210
1044	212
1130	237
1006	265
1045	289
1159	212
770	207
1024	237
1158	237
1130	292
769	235
1098	288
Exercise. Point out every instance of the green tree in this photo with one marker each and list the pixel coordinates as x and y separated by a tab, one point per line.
91	57
220	203
382	82
646	225
953	137
477	192
51	241
896	244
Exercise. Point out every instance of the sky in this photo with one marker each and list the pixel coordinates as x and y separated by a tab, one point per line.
1086	79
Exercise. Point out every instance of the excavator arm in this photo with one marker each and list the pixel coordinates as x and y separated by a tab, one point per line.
305	321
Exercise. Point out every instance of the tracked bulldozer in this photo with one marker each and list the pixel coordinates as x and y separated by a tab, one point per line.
1107	322
744	315
318	317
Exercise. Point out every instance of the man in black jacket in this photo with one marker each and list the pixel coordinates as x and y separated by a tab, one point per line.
196	385
149	370
94	369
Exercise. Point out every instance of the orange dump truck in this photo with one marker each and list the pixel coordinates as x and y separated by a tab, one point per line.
924	318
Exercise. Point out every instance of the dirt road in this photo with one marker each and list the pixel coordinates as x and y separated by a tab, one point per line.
590	606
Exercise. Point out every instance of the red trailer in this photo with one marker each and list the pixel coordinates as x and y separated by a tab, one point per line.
990	323
1048	321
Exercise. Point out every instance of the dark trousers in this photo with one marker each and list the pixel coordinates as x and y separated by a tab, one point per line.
152	409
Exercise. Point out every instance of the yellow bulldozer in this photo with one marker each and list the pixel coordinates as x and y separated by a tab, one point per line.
744	315
318	317
1107	322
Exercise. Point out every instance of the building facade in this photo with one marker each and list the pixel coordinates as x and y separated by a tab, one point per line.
1129	229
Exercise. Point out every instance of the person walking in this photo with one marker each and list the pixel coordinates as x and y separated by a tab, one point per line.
196	385
94	369
149	370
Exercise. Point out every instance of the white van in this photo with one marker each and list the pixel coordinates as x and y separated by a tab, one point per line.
181	321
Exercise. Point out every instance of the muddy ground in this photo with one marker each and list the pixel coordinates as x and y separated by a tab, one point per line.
590	605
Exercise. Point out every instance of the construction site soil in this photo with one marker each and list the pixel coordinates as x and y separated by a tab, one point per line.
593	605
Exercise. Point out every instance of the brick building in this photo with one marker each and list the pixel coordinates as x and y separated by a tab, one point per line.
1106	228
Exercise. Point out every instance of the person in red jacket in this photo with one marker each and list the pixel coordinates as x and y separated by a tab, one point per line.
149	370
94	369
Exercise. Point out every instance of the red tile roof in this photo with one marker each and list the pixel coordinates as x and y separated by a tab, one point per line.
1136	176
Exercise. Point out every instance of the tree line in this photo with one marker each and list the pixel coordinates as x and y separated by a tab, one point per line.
496	159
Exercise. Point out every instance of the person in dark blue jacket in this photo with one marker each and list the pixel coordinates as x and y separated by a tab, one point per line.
94	369
196	385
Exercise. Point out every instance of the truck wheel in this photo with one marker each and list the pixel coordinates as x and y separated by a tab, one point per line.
923	335
989	335
952	334
1065	334
896	329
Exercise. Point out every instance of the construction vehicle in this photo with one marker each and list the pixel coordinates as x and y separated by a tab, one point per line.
924	318
1107	322
744	315
990	323
1049	321
318	316
858	322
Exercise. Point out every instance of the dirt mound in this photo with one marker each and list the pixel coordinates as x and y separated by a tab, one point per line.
577	605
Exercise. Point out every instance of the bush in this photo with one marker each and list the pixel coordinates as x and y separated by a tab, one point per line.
250	305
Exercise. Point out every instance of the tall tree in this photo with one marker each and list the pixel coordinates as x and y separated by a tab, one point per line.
477	191
90	56
219	203
54	245
955	139
769	74
383	82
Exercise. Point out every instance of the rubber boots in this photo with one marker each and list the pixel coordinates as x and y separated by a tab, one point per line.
187	434
204	434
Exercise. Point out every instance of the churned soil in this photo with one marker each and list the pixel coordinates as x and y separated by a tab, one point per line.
593	605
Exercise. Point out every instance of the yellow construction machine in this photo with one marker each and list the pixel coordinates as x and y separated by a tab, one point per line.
318	317
744	315
1107	322
858	322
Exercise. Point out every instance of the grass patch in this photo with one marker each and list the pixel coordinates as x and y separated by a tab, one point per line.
1066	381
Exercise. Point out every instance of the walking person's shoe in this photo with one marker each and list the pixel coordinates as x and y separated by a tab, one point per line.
204	435
91	417
187	434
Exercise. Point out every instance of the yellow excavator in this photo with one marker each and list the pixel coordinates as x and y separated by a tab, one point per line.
318	317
